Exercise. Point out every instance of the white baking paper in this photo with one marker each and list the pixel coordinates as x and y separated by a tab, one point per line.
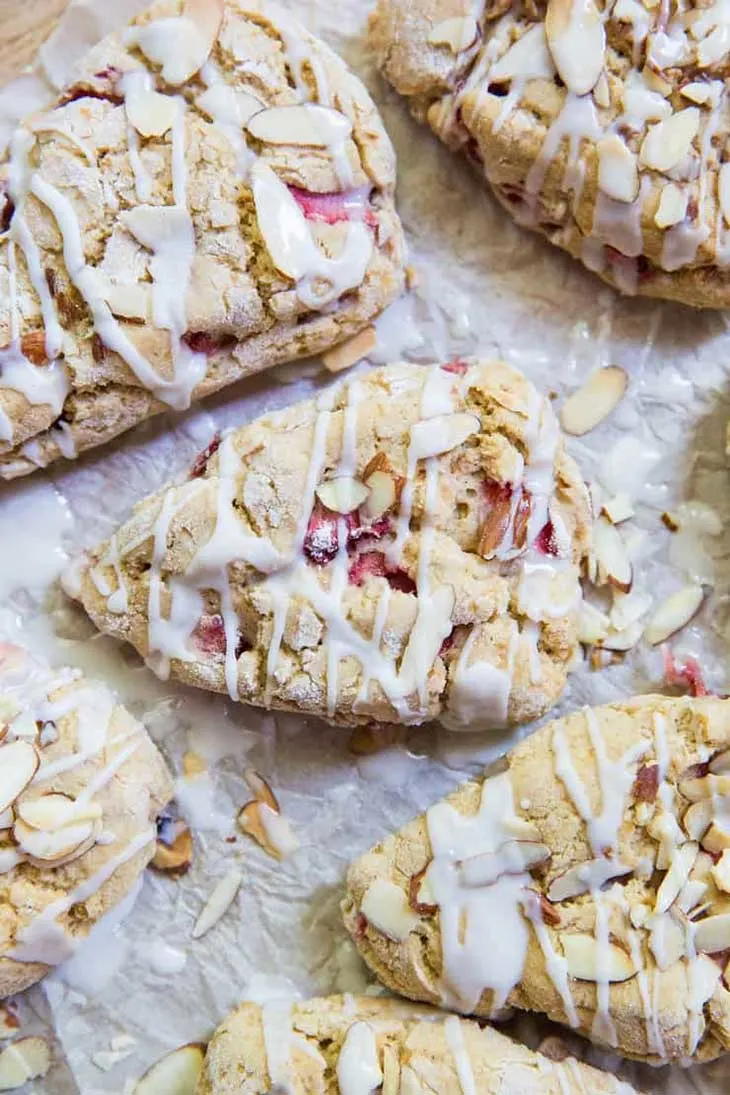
486	287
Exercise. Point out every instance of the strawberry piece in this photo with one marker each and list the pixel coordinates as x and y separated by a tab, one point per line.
204	342
322	540
547	541
201	460
209	635
373	564
376	531
689	675
457	366
336	206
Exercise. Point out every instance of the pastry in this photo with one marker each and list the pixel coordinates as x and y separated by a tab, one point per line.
211	196
81	786
406	547
602	127
589	881
351	1045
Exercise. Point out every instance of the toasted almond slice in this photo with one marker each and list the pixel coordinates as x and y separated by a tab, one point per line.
384	491
33	346
54	811
6	819
353	350
514	857
442	433
577	42
582	877
628	608
594	401
720	872
602	92
420	895
458	33
177	857
691	895
218	903
385	906
495	525
618	509
26	1059
717	837
49	847
655	81
343	494
260	788
127	300
182	46
592	624
175	1074
712	934
697	787
9	1021
301	124
674	613
669	142
618	172
151	113
250	821
672	206
697	817
675	878
666	940
588	960
614	565
19	762
697	91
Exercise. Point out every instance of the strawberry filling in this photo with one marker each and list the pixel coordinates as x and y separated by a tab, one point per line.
201	460
336	206
457	366
322	539
373	564
204	342
689	675
547	541
639	266
209	636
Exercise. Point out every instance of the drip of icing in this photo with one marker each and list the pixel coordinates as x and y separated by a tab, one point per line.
276	1022
555	964
457	1045
603	1028
358	1068
479	692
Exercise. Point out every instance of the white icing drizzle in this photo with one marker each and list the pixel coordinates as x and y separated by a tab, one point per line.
479	692
603	1028
457	1045
555	964
358	1068
276	1023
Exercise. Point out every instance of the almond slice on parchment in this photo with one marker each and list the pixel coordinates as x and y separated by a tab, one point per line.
613	563
19	761
350	352
577	42
674	613
177	1073
24	1060
594	401
219	902
175	858
300	124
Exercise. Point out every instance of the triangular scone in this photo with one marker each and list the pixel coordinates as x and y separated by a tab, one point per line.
328	1044
588	881
211	196
81	785
601	127
407	547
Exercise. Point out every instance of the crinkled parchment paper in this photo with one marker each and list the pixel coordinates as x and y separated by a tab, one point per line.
485	287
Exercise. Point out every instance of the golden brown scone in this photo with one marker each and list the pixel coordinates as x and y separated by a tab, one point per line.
605	130
406	547
81	786
327	1045
213	194
590	881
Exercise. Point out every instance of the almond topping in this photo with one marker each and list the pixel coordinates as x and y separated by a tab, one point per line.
384	492
175	1074
420	897
127	300
582	877
442	433
33	346
177	857
343	494
385	906
458	33
218	903
720	762
717	838
353	350
712	934
697	818
26	1059
698	787
682	863
592	624
514	857
302	124
183	45
19	762
720	872
150	113
669	142
674	613
577	42
55	811
672	206
618	509
723	191
590	961
618	173
613	563
697	92
50	847
9	1021
594	401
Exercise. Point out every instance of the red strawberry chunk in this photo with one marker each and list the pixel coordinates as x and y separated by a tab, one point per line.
201	460
689	675
373	564
547	541
205	342
335	206
322	540
209	635
376	531
457	366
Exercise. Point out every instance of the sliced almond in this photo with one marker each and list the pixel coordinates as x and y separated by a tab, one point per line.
49	847
669	142
697	818
26	1059
184	45
712	934
128	301
720	872
9	1021
177	857
666	940
442	433
618	172
723	191
458	33
613	562
697	92
594	401
618	509
691	895
654	80
300	124
582	877
697	787
420	895
674	613
384	491
250	821
588	960
350	352
33	346
343	494
592	624
577	42
218	903
675	878
385	906
602	92
151	113
514	857
717	838
55	811
19	762
175	1074
193	764
672	208
628	608
260	788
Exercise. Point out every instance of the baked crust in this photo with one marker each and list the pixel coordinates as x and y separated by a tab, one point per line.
611	927
414	1050
155	250
575	129
101	783
277	575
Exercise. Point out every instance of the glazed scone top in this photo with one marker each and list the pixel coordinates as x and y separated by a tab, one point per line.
589	881
81	785
345	1045
405	547
213	173
603	124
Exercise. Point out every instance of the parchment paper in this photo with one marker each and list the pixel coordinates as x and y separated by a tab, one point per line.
487	287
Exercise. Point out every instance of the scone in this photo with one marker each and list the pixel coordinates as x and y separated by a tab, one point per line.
404	548
212	195
81	785
343	1044
601	126
589	881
